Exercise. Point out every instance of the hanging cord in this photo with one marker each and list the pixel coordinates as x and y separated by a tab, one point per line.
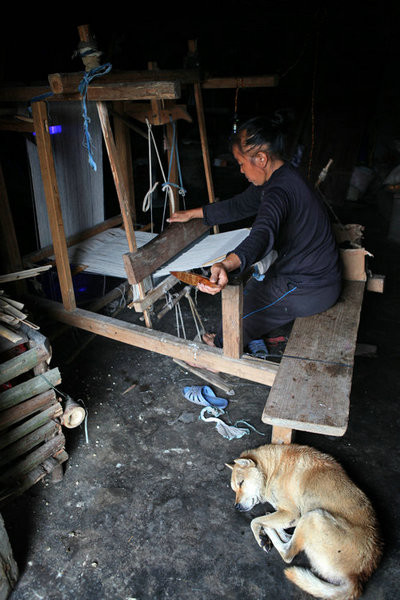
313	107
196	317
235	114
167	185
83	86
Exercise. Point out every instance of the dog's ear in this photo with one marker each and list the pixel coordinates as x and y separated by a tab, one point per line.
244	462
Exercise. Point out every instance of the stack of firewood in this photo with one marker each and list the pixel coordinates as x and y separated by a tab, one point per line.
32	443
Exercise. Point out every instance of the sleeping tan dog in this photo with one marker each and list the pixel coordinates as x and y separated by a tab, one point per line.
334	522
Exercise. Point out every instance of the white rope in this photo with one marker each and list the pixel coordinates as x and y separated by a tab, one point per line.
166	187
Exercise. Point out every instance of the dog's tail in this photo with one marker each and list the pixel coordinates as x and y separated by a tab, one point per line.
310	583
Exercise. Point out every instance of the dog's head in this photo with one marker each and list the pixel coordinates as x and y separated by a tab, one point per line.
247	481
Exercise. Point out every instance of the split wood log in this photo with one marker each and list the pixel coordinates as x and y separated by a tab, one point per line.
10	335
8	566
33	460
31	478
29	388
22	363
24	274
41	402
43	417
25	444
73	415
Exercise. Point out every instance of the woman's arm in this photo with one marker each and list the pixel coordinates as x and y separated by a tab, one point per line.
182	216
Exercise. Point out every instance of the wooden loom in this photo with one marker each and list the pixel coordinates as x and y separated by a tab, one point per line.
154	86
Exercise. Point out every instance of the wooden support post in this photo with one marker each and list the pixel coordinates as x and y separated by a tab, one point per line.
123	145
47	167
173	176
281	435
203	133
9	250
117	172
232	313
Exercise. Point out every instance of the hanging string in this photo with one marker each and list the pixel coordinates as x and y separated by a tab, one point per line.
83	86
167	185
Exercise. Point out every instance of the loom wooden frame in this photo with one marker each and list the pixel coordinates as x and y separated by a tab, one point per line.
229	360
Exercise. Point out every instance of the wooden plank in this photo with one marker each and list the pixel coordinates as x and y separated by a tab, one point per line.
232	313
98	92
47	167
252	81
67	83
312	389
161	249
198	354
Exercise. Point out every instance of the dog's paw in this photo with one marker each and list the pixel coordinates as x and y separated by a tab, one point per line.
264	542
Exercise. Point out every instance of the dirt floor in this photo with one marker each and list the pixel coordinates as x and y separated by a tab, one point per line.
145	510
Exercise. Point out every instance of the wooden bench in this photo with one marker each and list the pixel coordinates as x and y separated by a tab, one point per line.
311	391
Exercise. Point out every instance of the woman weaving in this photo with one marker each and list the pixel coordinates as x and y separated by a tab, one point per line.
305	278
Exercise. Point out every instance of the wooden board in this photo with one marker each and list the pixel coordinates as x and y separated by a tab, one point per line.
165	246
312	389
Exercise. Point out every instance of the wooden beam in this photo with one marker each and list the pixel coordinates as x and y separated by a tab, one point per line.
98	92
203	136
47	167
161	249
198	354
67	83
117	175
241	82
123	146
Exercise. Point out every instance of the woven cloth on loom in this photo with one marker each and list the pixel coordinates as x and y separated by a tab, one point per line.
102	254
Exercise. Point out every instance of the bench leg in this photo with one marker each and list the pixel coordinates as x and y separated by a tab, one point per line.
281	435
232	313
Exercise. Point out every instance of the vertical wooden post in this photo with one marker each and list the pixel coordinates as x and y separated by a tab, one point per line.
281	435
123	144
203	134
47	167
174	166
10	256
232	313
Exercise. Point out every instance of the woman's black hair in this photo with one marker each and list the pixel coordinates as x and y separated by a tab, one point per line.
263	134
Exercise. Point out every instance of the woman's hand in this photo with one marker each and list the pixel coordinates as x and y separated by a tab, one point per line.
182	216
219	276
